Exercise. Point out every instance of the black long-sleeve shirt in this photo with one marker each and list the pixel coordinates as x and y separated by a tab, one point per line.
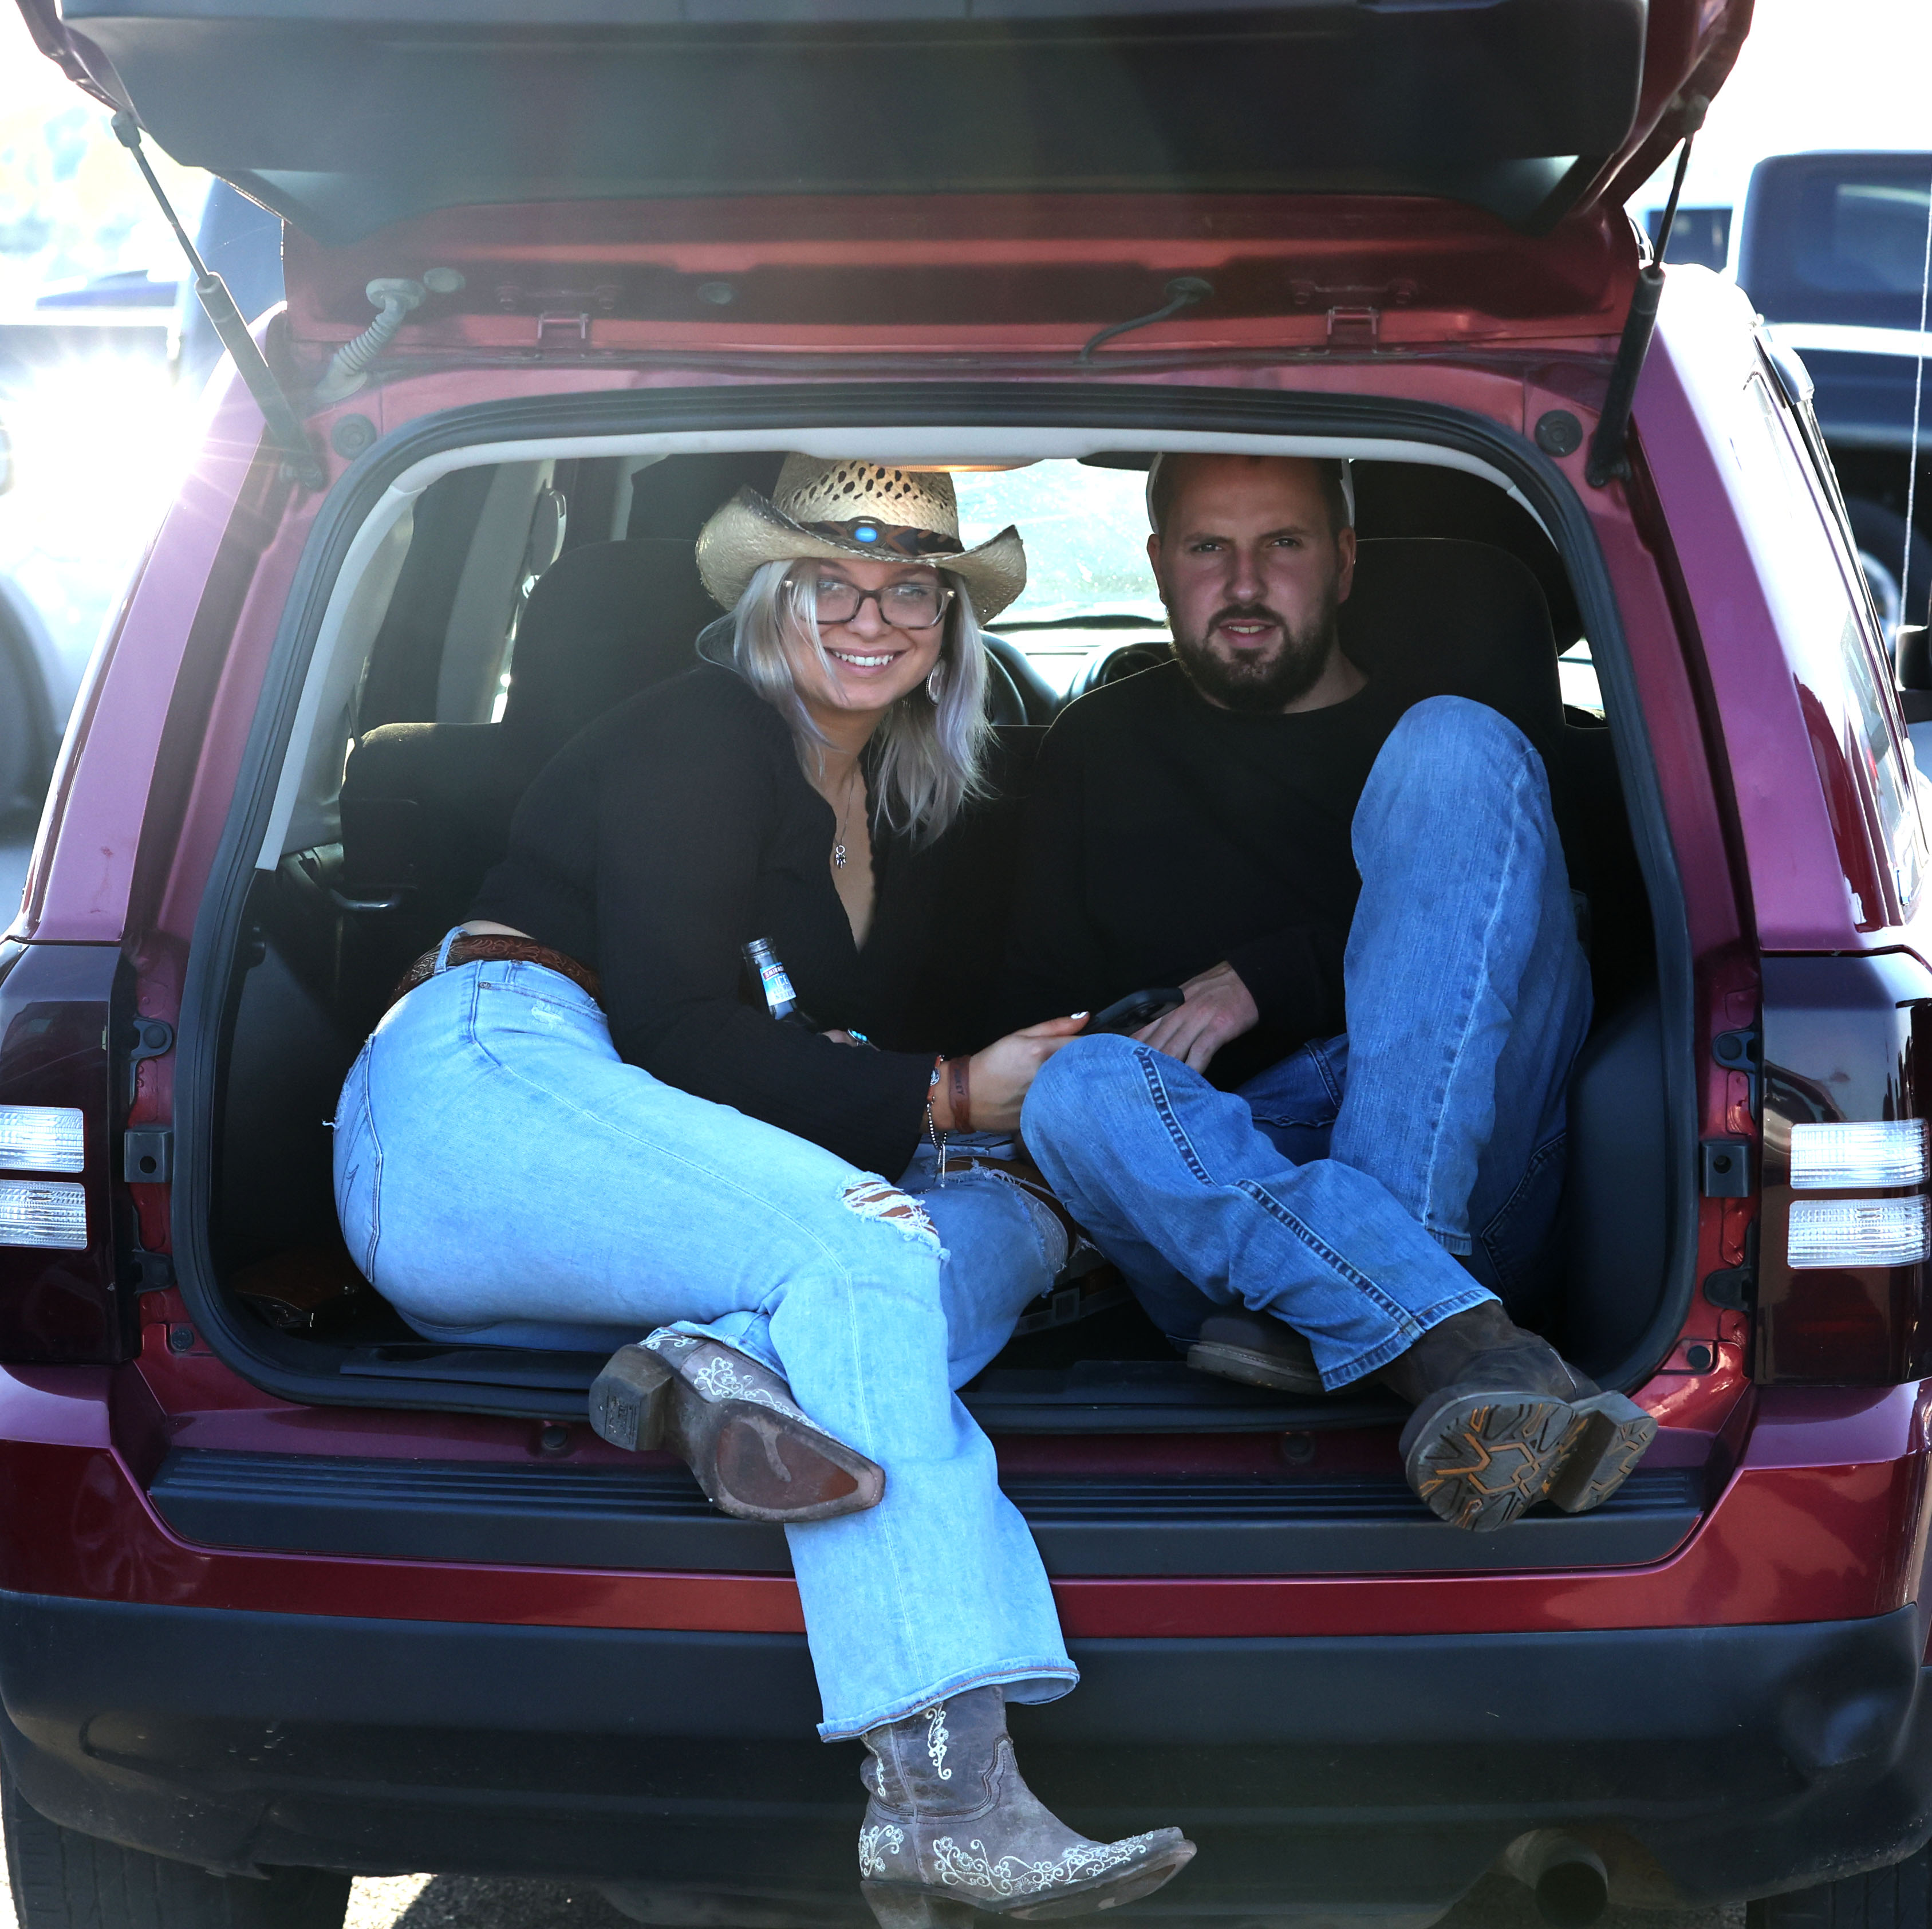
1164	835
667	836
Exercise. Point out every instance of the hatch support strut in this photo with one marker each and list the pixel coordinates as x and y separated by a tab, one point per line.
1609	455
278	411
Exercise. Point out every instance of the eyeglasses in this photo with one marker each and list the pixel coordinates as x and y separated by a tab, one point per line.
915	603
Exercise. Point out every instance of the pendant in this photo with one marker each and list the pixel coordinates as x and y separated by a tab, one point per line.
839	857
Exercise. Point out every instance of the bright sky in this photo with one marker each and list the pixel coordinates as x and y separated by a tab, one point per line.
1814	74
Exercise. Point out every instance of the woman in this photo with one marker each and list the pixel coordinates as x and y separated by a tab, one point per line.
574	1125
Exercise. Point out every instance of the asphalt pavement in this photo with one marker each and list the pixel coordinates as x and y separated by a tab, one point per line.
473	1902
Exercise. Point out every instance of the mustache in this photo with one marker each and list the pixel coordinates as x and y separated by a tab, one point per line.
1247	612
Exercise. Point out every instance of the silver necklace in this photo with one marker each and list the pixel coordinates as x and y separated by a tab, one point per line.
838	849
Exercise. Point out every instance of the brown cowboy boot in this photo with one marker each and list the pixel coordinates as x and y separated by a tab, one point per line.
951	1828
1502	1421
734	1423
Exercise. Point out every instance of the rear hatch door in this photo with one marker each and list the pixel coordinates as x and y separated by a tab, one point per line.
591	145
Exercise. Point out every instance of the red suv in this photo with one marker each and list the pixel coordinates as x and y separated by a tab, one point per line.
287	1591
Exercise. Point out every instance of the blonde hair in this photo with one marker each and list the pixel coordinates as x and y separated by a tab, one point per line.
932	752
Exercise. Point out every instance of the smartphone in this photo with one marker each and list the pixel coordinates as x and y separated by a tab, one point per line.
1138	1008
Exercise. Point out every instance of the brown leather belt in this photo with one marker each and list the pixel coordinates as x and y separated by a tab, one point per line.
493	948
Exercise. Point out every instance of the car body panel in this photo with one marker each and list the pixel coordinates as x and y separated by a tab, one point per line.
1816	884
1824	1477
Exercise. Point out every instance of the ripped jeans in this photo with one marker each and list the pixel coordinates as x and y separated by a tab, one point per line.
504	1177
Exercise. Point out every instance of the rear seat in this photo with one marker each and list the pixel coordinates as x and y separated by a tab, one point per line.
426	807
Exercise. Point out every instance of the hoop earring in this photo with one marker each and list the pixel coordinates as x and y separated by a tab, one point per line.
935	683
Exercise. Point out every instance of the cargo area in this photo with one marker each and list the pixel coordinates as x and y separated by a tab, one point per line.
513	602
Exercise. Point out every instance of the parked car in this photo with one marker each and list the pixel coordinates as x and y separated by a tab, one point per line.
1832	251
287	1593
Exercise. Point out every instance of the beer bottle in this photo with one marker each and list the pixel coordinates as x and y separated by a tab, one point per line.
770	975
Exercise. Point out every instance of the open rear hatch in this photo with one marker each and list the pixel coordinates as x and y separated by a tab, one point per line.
830	125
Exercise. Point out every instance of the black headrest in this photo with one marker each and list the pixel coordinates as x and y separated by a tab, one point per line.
1440	617
603	622
675	496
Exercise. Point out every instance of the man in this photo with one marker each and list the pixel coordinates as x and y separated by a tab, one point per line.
1307	1202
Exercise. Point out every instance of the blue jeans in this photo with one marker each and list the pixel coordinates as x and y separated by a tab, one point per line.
504	1177
1370	1185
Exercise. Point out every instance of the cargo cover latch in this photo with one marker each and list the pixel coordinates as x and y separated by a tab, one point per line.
1355	327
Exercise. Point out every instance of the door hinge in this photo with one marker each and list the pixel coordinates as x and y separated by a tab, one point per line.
148	1155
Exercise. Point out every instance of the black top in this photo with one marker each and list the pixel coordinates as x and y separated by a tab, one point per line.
1166	835
670	833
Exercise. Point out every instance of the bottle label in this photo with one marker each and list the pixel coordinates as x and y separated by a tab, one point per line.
778	986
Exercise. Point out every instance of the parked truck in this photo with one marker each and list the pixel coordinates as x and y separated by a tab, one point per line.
1832	252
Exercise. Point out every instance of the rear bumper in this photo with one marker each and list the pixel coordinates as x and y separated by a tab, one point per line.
1322	1772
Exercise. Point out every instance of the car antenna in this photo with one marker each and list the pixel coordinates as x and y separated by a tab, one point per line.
1183	292
1609	455
271	397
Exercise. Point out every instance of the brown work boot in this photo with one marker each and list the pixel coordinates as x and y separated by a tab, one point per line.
1502	1421
1256	1349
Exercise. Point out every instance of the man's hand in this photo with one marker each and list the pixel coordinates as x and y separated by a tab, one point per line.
1218	1008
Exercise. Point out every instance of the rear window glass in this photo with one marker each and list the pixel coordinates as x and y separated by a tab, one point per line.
1870	237
1841	239
1089	588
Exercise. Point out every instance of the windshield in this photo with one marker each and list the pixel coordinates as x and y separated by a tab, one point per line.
1089	588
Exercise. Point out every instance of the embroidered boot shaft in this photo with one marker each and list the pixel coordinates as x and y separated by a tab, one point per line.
951	1828
734	1423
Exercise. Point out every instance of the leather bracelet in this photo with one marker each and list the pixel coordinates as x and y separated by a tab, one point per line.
960	1090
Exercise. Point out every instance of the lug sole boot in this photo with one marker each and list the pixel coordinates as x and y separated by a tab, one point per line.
1502	1422
952	1831
1258	1350
734	1424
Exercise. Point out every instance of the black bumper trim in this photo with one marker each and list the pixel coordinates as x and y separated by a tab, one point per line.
529	1513
1376	1770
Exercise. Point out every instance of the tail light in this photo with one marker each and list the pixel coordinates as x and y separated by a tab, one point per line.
60	1300
1845	1230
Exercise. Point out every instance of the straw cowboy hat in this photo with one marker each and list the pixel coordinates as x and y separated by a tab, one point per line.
864	512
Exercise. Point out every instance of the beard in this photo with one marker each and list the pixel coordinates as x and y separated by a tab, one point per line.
1258	680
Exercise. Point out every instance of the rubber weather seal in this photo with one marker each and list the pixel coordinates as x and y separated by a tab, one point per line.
279	1365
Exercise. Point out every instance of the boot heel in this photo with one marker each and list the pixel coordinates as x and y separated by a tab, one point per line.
896	1908
630	1399
1611	1434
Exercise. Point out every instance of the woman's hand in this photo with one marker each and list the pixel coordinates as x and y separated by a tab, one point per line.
1000	1075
